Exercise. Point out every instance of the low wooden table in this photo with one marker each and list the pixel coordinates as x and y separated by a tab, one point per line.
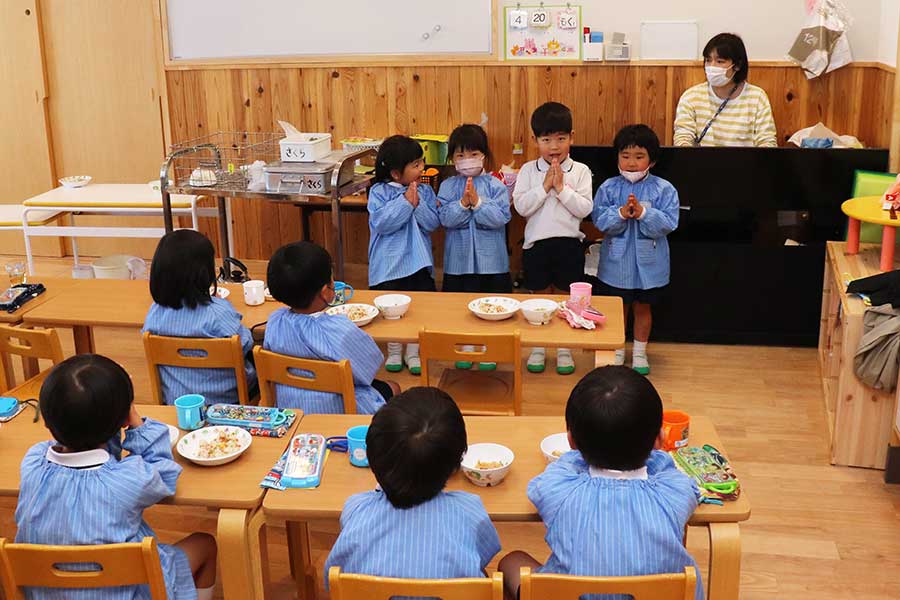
232	490
506	502
55	286
868	209
113	303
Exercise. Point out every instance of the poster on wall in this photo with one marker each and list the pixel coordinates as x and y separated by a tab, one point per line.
542	32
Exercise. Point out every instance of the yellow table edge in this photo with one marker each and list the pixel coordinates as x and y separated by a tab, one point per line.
868	209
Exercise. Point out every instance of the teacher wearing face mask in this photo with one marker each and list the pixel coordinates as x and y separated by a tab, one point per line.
725	110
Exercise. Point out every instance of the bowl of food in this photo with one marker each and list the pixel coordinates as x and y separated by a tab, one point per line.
494	308
554	446
212	446
393	306
75	181
539	311
486	465
360	314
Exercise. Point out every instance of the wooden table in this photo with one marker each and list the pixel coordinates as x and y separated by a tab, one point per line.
506	502
868	209
55	286
232	490
113	303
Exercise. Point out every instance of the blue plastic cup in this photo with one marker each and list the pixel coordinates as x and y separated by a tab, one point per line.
356	445
191	410
342	292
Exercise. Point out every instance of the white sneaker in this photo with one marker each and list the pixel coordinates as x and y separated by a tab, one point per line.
620	358
536	360
394	361
640	364
565	364
411	358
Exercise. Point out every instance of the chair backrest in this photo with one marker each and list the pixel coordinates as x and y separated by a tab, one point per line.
325	376
667	586
30	344
348	586
34	565
871	183
217	353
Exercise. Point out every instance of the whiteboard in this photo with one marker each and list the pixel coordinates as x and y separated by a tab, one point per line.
669	40
209	29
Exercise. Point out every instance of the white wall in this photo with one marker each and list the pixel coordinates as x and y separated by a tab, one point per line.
768	27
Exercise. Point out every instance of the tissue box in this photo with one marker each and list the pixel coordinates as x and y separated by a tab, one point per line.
434	147
592	52
305	147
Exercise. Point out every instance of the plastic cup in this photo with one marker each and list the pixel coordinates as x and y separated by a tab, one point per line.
191	410
356	445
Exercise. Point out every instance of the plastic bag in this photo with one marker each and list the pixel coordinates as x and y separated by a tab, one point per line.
822	45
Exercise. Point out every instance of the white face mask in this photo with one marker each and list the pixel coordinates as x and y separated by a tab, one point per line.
469	167
717	76
634	176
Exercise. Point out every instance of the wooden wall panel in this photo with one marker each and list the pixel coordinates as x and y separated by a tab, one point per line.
383	100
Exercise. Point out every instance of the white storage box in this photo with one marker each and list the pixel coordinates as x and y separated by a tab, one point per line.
592	52
305	147
308	178
617	52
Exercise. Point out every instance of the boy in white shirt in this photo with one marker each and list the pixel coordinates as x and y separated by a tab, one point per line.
554	194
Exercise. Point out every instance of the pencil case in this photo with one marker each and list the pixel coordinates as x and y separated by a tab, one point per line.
710	470
305	460
259	417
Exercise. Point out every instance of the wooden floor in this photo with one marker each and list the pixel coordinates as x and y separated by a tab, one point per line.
816	531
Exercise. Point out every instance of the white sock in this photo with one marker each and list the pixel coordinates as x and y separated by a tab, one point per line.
395	354
639	349
639	355
620	357
205	593
412	350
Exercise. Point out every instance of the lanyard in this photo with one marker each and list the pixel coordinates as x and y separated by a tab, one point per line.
722	106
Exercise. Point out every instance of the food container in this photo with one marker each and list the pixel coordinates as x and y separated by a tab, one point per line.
305	147
299	178
191	445
478	455
554	446
393	306
434	146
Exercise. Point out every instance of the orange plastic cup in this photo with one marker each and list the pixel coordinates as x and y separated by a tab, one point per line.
676	429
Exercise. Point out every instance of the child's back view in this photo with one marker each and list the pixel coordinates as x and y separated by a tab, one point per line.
613	506
410	527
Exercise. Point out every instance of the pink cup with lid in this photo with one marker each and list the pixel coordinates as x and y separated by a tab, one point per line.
579	296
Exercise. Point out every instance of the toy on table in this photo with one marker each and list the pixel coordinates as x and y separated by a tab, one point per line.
710	470
305	460
10	408
15	296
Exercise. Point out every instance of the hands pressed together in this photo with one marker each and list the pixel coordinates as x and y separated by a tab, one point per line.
553	180
632	209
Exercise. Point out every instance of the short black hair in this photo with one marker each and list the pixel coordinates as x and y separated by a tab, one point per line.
395	153
297	272
415	443
730	46
614	415
85	401
551	117
183	269
637	136
470	137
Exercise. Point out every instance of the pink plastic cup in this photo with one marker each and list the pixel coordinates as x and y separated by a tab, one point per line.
579	296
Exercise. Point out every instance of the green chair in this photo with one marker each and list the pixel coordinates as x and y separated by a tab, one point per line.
871	183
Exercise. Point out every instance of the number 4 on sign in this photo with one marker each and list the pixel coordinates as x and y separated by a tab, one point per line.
518	19
568	19
540	18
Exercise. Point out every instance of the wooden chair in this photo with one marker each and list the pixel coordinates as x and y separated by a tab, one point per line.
667	586
34	565
273	368
476	392
347	586
30	344
220	353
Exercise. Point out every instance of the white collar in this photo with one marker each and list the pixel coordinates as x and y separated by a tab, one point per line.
613	474
88	459
395	184
566	165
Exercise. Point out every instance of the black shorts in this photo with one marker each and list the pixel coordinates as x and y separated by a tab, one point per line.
555	261
495	283
383	388
651	296
420	281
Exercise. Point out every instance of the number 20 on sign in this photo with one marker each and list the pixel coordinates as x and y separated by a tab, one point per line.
540	18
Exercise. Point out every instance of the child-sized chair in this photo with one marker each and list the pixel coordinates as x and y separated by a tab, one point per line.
347	586
34	565
30	344
871	183
324	376
667	586
195	353
476	392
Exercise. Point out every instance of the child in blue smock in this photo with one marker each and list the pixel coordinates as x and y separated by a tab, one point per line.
182	274
635	211
613	506
79	489
299	275
402	215
409	526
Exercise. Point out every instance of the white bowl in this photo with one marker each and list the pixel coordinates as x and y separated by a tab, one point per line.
558	442
75	181
393	306
202	178
486	453
368	310
479	305
220	292
189	445
539	311
173	434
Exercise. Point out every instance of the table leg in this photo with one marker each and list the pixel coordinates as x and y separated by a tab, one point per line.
603	358
234	549
724	561
304	224
301	560
888	239
84	339
223	225
259	554
853	236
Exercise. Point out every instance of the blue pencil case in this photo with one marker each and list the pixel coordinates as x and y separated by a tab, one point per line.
262	417
305	461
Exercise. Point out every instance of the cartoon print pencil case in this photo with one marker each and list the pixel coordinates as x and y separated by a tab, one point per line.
710	470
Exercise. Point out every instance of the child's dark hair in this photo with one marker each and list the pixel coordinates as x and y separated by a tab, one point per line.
394	154
637	136
730	46
550	118
297	272
85	401
415	443
470	137
614	415
183	269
